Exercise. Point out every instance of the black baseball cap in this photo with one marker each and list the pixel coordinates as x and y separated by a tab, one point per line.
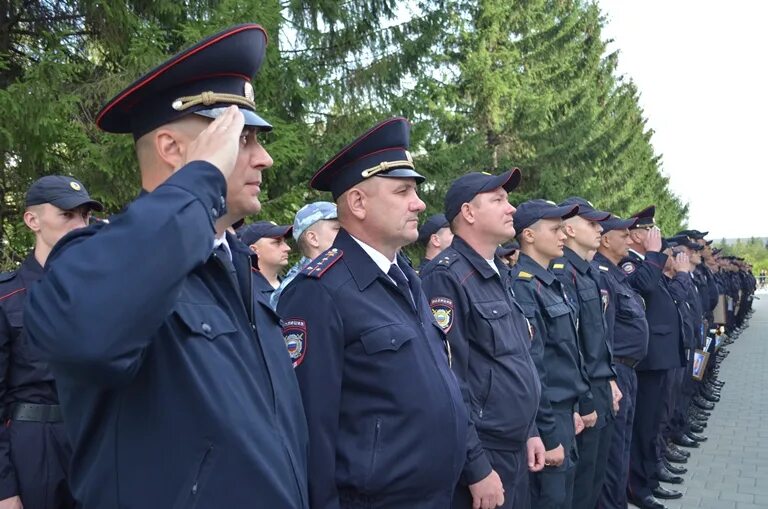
586	209
432	225
617	223
60	191
533	210
694	234
253	232
466	187
684	240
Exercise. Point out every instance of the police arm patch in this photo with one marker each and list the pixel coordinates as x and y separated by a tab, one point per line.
442	308
295	336
628	267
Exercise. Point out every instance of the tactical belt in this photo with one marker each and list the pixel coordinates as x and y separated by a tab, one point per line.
32	412
630	363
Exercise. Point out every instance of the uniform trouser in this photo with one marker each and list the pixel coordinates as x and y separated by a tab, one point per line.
614	492
512	467
552	488
643	458
688	388
593	446
674	386
40	453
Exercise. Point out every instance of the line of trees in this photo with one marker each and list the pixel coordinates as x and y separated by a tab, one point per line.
488	84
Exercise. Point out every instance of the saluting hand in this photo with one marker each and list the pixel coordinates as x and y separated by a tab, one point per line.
682	262
219	143
11	503
536	454
487	493
653	240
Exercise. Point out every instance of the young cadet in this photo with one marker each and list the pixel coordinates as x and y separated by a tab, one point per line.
314	230
628	332
643	266
33	434
589	293
174	381
266	240
470	293
435	234
388	427
565	395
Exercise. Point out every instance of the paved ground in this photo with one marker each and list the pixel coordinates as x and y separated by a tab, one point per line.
730	470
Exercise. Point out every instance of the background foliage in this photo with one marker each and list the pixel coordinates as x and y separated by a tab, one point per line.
488	84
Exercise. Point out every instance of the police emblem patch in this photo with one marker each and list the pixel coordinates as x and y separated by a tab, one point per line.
74	185
628	267
442	308
295	336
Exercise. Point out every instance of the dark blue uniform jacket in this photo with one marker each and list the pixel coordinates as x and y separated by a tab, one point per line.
554	348
627	326
388	427
176	386
490	342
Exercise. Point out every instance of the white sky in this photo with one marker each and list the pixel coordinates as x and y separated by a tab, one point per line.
701	67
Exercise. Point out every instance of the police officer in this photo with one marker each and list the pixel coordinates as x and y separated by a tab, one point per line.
388	427
314	230
643	266
628	331
470	293
34	434
565	394
435	235
175	385
266	240
589	293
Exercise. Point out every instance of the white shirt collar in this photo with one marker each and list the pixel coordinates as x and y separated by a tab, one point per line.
222	240
641	256
492	263
378	258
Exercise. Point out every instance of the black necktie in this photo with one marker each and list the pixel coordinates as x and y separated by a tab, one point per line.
401	281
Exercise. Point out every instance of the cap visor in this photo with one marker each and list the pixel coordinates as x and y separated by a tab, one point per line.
73	202
563	212
279	232
596	215
403	173
251	118
509	180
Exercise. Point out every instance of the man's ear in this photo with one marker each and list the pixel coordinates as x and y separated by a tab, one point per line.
169	147
356	200
570	231
467	212
310	237
32	221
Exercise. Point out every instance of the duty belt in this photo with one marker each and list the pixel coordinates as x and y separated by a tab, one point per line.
32	412
630	363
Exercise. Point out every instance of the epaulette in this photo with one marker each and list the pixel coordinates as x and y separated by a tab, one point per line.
524	275
322	263
446	259
7	276
603	267
558	265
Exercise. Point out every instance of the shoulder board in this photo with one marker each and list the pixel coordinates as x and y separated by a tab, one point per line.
558	266
317	267
7	276
524	275
603	267
447	259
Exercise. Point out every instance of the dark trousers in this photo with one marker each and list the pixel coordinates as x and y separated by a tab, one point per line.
552	488
649	412
614	492
688	387
40	453
593	446
673	384
512	467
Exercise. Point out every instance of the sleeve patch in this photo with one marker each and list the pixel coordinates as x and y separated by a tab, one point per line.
317	267
295	336
628	267
442	308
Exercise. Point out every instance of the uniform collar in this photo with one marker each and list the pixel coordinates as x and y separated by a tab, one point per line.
362	267
378	258
634	254
479	263
527	264
577	261
32	265
617	273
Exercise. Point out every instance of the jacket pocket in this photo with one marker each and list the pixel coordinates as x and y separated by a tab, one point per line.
557	310
192	490
205	320
496	315
386	338
485	400
375	444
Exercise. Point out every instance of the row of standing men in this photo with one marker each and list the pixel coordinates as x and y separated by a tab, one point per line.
149	365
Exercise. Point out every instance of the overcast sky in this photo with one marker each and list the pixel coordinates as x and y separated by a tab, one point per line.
701	69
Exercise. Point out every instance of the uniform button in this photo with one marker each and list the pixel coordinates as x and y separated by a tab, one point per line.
393	341
206	328
215	212
223	202
495	312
